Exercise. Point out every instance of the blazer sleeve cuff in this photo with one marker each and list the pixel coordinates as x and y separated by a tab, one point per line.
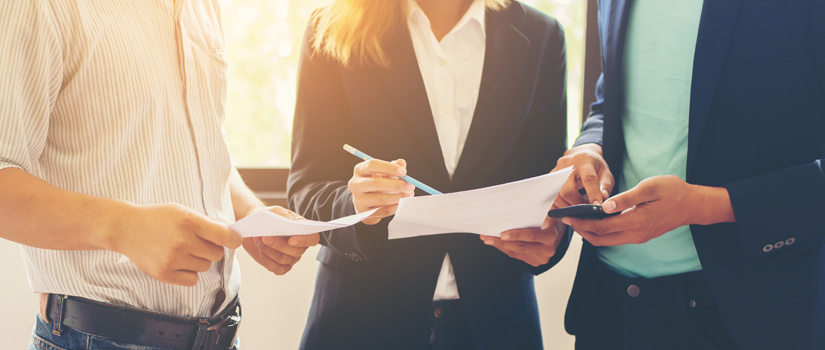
592	131
359	242
779	209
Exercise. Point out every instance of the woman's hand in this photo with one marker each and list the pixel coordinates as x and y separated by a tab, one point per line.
534	246
377	184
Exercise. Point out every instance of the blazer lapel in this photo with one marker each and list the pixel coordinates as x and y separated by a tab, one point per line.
504	60
715	32
404	81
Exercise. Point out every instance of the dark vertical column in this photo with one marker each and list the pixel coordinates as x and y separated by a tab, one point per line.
592	57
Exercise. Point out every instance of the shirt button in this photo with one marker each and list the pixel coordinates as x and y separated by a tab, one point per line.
767	248
779	244
442	62
447	109
790	241
633	291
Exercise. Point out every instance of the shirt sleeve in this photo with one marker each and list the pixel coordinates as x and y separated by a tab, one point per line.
31	71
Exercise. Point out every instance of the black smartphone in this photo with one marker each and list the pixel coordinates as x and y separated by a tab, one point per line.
582	211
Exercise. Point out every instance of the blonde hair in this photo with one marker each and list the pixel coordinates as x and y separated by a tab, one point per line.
353	31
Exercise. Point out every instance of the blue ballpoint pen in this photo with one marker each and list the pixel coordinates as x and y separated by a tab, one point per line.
406	178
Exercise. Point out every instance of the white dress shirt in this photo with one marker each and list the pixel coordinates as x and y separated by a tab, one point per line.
451	70
119	99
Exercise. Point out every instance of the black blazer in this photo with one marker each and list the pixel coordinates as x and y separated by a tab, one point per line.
757	128
375	293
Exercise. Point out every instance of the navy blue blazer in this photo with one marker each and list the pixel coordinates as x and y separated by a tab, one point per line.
372	293
757	128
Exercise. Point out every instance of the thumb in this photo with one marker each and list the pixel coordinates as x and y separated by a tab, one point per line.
305	240
285	213
628	199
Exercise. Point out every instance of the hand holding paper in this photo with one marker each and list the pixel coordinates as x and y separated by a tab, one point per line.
534	246
264	223
277	238
279	254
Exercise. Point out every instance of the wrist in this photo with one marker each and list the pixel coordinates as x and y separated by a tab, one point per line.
247	206
711	205
593	147
244	201
113	223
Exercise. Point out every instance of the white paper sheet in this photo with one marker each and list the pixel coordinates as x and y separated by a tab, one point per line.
486	211
267	223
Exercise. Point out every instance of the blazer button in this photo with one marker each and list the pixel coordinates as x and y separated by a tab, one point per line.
779	244
790	241
633	291
767	248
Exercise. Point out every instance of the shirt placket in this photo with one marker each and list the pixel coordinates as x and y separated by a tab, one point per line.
186	60
446	92
200	130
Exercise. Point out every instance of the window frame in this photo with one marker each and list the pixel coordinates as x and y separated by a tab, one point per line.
269	183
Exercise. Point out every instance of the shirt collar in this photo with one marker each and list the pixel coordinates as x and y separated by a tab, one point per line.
475	13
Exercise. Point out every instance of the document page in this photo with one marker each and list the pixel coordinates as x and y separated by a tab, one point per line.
486	211
267	223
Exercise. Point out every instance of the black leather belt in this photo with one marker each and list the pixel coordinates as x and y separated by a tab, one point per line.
140	327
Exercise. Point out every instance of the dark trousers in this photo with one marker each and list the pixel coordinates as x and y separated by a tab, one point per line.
673	312
449	326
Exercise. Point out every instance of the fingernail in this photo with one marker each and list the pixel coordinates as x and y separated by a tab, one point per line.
505	236
410	187
488	242
596	202
609	205
402	171
268	240
293	241
605	193
566	221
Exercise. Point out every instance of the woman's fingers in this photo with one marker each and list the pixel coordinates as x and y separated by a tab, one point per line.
378	184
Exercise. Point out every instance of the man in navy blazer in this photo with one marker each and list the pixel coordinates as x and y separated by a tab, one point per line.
747	270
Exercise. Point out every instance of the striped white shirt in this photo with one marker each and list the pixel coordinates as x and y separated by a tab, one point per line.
120	99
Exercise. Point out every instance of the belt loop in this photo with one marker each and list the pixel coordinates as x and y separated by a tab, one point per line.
57	322
203	335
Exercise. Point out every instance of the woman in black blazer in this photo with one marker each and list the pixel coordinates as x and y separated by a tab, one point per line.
361	82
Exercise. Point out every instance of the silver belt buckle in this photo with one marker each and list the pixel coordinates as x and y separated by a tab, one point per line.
230	321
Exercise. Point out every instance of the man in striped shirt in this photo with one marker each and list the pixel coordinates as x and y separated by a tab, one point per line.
111	145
